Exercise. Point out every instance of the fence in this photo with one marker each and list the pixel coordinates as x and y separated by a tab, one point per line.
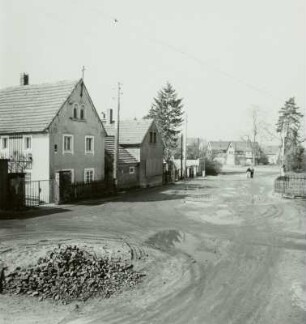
291	184
80	190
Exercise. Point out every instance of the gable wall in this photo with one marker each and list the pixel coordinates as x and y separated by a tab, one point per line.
151	160
64	123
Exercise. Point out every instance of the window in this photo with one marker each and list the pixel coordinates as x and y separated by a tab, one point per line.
27	142
4	143
89	144
55	148
82	113
131	170
152	137
89	175
67	143
75	111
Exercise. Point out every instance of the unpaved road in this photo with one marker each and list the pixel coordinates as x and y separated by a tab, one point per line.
216	250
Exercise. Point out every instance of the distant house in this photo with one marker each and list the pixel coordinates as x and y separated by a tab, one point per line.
272	152
233	152
141	139
218	150
243	152
51	131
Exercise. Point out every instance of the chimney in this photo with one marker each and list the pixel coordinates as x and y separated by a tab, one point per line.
109	116
24	79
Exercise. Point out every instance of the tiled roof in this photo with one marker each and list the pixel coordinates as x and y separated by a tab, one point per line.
31	108
271	149
124	156
244	146
219	145
131	131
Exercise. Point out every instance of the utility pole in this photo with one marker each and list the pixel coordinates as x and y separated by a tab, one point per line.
182	152
116	148
284	135
185	147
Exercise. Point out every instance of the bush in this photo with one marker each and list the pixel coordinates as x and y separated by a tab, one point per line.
212	167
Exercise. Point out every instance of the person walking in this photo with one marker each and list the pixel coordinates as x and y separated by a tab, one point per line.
248	172
252	172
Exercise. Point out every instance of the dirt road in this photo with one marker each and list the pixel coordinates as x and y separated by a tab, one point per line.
216	250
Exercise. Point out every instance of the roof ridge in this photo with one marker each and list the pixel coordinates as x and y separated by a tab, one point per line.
41	84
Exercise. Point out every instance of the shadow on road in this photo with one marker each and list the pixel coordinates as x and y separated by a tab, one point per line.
31	213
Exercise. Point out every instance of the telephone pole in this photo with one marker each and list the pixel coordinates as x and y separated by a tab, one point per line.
185	147
116	148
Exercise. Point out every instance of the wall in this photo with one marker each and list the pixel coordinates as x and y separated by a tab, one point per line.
40	157
64	123
126	179
230	155
151	160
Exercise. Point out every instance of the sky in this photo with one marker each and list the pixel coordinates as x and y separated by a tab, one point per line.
224	58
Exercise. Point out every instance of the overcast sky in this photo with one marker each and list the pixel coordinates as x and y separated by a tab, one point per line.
223	57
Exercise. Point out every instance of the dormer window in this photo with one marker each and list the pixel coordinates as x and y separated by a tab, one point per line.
75	111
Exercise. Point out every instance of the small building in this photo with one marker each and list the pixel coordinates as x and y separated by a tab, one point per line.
128	165
193	168
51	131
141	139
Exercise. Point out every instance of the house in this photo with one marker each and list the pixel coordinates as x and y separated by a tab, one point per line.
218	150
272	152
52	132
243	152
128	165
141	139
233	152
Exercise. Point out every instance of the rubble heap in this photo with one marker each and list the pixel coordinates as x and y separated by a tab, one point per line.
71	273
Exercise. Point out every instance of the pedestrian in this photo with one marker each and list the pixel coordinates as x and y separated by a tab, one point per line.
252	172
248	172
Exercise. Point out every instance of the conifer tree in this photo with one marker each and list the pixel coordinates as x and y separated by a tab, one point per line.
167	112
289	126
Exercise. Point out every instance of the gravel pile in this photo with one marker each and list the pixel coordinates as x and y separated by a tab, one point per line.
71	273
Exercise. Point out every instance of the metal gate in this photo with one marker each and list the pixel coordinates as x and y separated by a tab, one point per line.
38	192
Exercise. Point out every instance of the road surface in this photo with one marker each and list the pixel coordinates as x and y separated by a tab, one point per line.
216	250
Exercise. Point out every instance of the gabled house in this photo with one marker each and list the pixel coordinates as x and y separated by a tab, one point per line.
141	139
218	150
233	152
52	131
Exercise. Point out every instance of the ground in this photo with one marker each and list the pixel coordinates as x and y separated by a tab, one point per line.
222	249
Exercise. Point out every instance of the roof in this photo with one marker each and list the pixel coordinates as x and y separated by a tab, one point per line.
131	131
124	156
245	146
31	108
242	146
219	145
271	149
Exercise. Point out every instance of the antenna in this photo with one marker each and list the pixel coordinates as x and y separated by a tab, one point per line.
83	72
